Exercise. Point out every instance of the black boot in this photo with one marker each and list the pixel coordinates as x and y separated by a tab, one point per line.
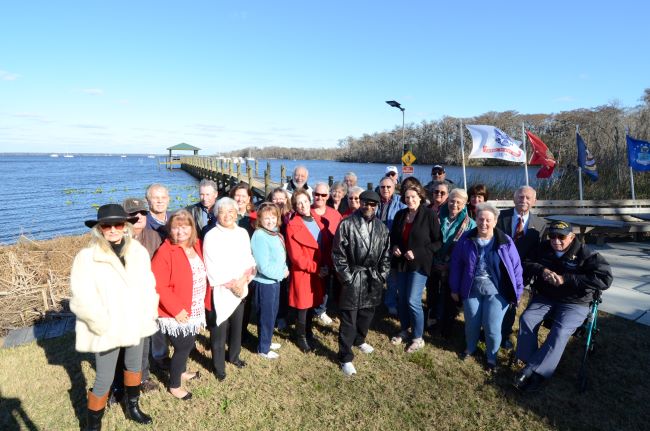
96	407
131	405
301	338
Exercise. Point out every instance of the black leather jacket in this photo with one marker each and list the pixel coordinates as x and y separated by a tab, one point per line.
361	260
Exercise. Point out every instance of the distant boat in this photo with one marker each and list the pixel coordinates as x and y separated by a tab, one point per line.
68	156
123	156
54	155
151	156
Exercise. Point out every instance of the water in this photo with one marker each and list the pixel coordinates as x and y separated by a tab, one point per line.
44	197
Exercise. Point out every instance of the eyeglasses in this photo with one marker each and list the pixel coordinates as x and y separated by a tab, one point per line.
142	213
558	236
437	172
108	226
391	174
352	198
321	195
439	192
385	187
369	203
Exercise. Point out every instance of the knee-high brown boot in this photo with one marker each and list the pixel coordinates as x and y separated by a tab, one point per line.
132	389
96	406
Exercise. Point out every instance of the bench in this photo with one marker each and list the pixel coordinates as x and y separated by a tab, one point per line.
601	217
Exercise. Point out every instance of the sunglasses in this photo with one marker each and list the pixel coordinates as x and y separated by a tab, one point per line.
117	226
369	203
558	236
391	174
133	214
439	192
385	187
321	195
437	172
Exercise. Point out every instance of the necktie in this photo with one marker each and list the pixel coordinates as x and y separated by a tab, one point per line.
519	230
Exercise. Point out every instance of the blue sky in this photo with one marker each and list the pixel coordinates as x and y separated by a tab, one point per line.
139	76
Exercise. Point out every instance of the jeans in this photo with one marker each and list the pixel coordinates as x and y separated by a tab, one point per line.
486	311
267	301
390	297
410	286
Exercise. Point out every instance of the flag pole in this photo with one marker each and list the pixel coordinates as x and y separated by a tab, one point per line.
462	154
523	145
579	171
627	133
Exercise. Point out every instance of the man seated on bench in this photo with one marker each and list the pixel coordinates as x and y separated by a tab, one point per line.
565	275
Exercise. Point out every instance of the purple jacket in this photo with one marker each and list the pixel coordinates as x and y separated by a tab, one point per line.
463	266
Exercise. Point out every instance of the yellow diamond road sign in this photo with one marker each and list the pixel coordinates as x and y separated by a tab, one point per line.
408	158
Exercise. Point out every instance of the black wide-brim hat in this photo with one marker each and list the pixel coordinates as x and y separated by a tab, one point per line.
111	213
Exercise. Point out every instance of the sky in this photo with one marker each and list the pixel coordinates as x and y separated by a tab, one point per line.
139	76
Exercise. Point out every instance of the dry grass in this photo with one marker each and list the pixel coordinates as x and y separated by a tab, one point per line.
35	279
428	390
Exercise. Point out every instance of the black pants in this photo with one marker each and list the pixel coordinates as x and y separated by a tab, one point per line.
230	330
304	322
353	330
183	345
249	306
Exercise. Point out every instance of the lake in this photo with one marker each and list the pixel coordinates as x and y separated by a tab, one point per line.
44	197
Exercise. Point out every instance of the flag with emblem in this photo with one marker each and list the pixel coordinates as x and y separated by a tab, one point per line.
585	160
489	142
638	154
541	156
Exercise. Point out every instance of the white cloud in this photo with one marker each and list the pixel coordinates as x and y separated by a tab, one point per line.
8	76
31	116
93	91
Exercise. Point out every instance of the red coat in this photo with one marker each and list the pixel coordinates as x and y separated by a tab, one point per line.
173	273
306	288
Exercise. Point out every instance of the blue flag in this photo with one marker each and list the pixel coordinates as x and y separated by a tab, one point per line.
638	154
585	160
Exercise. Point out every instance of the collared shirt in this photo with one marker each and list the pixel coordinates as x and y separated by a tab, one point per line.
515	221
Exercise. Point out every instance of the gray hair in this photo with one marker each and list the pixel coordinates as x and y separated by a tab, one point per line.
152	187
487	206
322	184
209	183
356	190
461	193
225	202
350	174
524	188
300	167
339	185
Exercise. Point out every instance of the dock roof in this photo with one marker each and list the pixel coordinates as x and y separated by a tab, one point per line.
183	146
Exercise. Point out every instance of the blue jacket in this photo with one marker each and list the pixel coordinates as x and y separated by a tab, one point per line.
394	205
270	256
463	266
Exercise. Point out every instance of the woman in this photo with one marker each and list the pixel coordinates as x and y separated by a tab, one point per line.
184	294
439	194
270	256
486	273
337	198
282	199
246	216
414	238
230	267
115	301
477	193
353	200
308	247
454	221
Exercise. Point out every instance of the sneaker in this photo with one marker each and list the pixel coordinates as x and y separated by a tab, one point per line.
275	346
325	319
416	344
348	368
399	339
366	348
270	355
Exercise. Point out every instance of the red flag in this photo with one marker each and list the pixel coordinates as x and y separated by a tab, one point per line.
541	156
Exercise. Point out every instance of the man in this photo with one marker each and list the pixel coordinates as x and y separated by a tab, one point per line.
330	219
361	259
526	230
388	206
300	177
350	179
158	199
202	210
566	273
438	174
392	173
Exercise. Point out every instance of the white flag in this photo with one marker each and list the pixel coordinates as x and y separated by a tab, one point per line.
489	142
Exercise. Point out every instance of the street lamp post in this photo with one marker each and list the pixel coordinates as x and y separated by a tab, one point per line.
395	104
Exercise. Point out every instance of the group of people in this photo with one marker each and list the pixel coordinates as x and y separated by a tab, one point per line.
151	278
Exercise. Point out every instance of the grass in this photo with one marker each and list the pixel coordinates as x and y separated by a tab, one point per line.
431	389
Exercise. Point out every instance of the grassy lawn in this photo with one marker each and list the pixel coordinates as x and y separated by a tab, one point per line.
42	384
